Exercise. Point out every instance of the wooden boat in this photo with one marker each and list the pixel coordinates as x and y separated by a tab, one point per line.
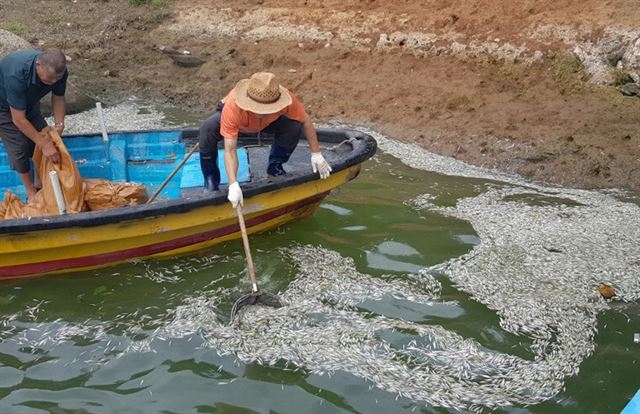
184	218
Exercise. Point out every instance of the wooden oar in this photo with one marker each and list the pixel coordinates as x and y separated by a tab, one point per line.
173	173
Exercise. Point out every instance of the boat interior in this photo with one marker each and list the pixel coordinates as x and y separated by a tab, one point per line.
149	157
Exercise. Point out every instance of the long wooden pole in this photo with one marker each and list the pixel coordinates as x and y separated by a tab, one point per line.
175	170
247	249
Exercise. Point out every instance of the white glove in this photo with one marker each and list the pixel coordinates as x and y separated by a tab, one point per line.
319	164
235	195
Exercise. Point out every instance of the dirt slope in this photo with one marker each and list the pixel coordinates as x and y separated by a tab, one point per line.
489	82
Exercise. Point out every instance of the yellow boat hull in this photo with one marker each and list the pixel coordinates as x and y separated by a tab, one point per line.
69	249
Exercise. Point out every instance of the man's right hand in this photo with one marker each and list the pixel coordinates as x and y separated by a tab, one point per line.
235	195
49	150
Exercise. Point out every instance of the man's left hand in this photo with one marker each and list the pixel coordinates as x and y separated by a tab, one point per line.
319	164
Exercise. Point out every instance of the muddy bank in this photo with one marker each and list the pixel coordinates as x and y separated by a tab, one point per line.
512	93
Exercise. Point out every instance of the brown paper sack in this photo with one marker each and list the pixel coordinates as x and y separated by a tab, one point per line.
103	194
44	202
11	207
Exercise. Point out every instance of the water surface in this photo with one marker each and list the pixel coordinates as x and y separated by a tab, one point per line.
422	286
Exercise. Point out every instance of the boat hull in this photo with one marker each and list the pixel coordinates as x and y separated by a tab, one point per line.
70	249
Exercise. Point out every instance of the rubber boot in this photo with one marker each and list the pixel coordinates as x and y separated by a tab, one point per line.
278	156
210	172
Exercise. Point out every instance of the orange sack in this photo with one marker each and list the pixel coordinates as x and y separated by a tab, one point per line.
11	207
103	194
79	195
44	202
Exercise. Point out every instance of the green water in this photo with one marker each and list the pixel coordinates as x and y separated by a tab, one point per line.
63	337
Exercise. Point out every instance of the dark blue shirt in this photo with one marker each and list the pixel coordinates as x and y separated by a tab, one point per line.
20	86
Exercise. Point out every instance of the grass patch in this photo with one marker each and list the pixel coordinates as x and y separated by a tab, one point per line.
54	18
460	102
15	27
513	71
569	72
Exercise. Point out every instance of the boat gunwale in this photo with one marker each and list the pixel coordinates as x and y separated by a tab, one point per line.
365	151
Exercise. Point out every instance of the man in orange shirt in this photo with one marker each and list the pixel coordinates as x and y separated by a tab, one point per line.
256	104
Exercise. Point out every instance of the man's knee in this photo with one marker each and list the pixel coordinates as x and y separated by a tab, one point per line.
288	132
211	126
20	163
209	134
19	150
21	156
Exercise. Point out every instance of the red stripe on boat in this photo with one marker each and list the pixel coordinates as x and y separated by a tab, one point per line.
100	259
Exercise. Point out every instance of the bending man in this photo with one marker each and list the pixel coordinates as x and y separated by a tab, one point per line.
25	77
256	104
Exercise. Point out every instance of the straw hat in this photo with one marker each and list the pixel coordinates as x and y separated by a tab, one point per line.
262	94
